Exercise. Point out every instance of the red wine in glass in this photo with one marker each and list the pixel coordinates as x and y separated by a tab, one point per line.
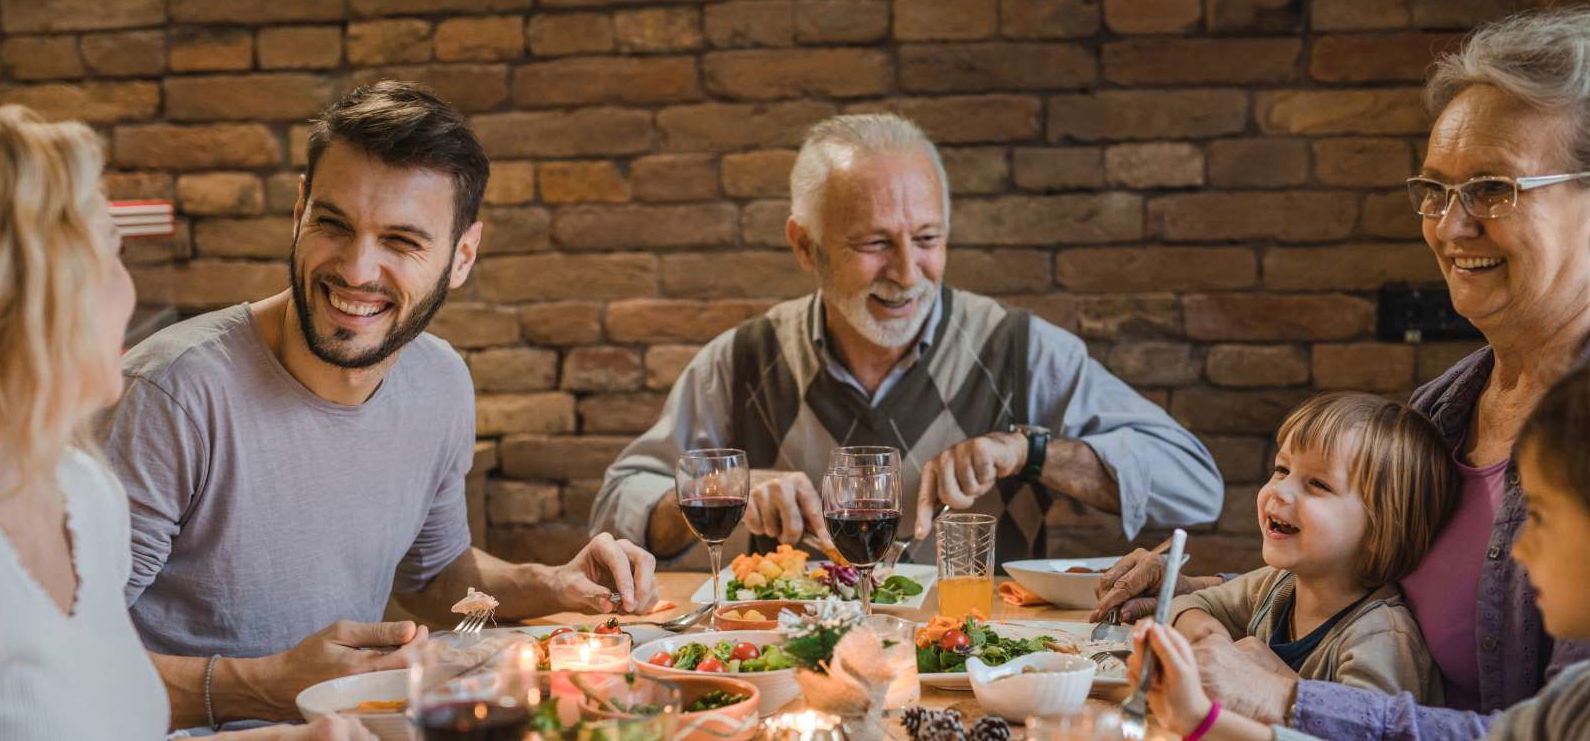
713	519
474	721
863	531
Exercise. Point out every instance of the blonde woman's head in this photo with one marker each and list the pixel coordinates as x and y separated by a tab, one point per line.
64	296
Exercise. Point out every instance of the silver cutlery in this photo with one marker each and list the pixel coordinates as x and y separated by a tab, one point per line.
1134	724
675	624
904	543
1113	617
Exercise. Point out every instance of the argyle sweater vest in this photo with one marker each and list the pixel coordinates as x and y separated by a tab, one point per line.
972	379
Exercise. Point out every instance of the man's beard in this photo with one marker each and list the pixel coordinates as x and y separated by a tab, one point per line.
891	333
403	330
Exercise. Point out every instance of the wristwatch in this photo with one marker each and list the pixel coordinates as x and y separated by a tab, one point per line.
1037	451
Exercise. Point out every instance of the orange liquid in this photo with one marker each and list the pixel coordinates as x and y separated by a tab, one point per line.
959	595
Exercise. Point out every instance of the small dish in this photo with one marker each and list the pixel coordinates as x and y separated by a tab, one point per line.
777	688
343	693
771	608
737	722
1036	684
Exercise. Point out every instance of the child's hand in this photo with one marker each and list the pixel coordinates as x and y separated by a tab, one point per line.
1175	694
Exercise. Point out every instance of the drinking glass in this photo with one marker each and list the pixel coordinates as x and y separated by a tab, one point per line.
966	564
877	456
473	689
861	506
712	485
899	652
1088	723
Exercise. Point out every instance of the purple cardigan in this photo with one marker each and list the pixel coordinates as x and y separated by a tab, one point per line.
1516	655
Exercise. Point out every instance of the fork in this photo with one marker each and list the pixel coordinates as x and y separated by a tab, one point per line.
904	543
1134	724
474	621
1113	617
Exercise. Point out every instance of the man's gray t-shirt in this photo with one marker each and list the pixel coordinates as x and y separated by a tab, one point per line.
261	512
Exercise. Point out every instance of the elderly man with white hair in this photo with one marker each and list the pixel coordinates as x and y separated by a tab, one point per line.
992	408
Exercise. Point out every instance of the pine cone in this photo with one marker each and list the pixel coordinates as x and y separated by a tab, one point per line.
914	717
990	728
945	727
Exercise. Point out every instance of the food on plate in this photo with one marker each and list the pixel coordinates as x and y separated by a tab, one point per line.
475	601
724	656
1083	570
783	574
607	626
944	644
378	706
747	614
714	700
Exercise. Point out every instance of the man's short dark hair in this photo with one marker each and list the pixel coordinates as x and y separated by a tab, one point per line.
404	124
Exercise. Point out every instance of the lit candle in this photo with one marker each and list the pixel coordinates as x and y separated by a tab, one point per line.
602	652
807	725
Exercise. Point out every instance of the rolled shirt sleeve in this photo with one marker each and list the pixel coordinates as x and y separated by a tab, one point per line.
1166	477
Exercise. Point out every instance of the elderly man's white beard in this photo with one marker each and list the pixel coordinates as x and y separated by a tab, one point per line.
891	333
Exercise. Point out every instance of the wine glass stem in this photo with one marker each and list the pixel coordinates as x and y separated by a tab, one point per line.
866	589
715	551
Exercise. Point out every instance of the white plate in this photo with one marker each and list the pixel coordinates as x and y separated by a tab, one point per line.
1028	629
924	574
334	695
1047	578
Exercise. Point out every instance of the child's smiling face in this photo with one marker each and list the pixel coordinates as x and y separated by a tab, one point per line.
1555	546
1313	520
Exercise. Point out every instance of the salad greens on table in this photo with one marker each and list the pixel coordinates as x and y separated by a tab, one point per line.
724	656
714	700
941	649
783	574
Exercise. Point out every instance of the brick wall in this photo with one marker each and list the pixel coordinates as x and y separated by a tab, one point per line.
1205	190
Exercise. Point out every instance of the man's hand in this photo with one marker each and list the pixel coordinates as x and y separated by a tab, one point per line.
783	505
602	568
966	471
1133	584
340	649
1244	685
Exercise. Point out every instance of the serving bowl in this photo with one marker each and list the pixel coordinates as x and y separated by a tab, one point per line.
343	693
737	722
1048	578
1046	683
776	688
771	608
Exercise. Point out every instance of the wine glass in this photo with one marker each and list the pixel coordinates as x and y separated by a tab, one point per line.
472	688
861	506
880	456
713	485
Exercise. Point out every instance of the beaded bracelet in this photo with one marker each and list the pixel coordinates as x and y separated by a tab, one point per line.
209	707
1209	722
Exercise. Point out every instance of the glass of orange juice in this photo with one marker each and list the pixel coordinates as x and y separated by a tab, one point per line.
966	564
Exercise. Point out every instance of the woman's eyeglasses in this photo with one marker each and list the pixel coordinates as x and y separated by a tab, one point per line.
1484	197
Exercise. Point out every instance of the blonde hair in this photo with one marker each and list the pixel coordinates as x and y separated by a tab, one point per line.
50	267
1400	466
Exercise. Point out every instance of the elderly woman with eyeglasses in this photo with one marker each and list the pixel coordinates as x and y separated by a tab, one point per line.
1504	194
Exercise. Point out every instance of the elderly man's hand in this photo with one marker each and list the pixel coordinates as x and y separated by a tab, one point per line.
1133	585
966	471
783	505
338	650
1243	684
605	567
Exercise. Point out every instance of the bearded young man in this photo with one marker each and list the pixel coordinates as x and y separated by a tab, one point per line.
993	409
292	462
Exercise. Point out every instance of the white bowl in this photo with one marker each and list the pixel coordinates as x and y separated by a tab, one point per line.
342	693
777	687
1046	578
1060	685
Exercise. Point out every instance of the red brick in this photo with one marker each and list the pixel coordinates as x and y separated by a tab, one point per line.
511	182
1351	15
272	96
1148	114
1364	367
650	321
164	146
586	80
1154	165
159	251
602	369
582	182
366	8
642	227
578	133
758	174
24	16
965	119
551	35
125	53
481	39
657	30
620	413
470	326
559	458
1349	267
1436	358
1152	16
749	23
1046	220
210	49
725	127
93	102
841	21
1257	365
1261	317
1181	61
515	230
776	73
265	237
1466	14
986	67
763	223
664	363
1389	215
1242	412
1242	460
40	57
1378	57
924	20
755	274
1108	317
1293	216
521	503
396	41
556	276
674	177
132	186
1111	269
513	369
211	284
1047	19
1362	161
468	87
998	272
1254	16
1257	163
1154	363
300	47
255	12
1377	111
982	170
213	193
1241	511
1058	168
298	144
561	323
506	414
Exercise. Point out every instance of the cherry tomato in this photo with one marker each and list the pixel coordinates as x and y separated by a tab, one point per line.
560	631
611	626
711	665
661	658
953	639
745	651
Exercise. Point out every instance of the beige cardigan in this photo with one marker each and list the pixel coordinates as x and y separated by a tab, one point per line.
1377	646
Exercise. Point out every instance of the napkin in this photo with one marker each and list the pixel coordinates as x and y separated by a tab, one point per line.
1019	595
